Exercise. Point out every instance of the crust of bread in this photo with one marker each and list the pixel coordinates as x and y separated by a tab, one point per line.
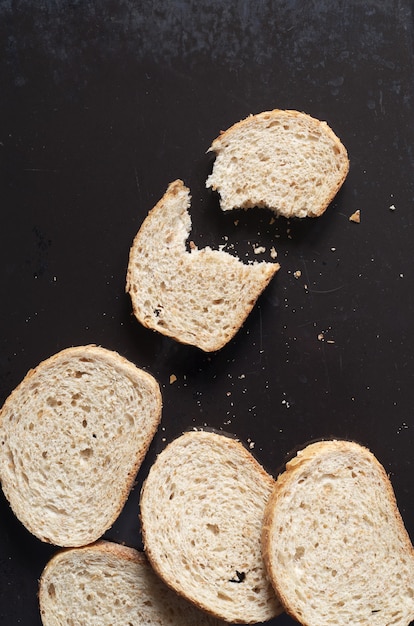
267	160
199	297
201	515
354	539
64	435
110	582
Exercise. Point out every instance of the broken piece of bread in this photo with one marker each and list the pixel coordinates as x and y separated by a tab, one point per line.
285	161
199	297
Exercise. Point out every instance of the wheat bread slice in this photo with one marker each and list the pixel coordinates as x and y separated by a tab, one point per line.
334	542
199	297
106	584
73	435
286	161
202	508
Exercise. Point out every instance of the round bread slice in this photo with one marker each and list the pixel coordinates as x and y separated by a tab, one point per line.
202	508
334	542
73	435
285	161
197	297
110	585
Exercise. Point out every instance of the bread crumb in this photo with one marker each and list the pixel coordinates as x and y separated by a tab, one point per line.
259	250
297	274
355	217
273	252
321	336
173	378
392	207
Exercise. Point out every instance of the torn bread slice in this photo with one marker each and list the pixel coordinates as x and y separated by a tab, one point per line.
202	508
73	435
334	542
285	161
110	585
198	297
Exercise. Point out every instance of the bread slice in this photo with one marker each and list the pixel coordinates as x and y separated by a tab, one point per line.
198	297
110	585
73	435
285	161
334	542
202	508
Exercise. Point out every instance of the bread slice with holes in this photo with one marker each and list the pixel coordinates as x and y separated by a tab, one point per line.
202	508
110	585
286	161
334	541
199	297
73	435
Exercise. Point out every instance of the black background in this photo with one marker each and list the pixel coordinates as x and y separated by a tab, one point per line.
102	105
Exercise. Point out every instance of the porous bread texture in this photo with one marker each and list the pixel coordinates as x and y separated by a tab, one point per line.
286	161
202	508
199	297
334	542
107	584
73	435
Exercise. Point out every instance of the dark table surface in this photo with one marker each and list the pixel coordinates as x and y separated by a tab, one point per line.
102	104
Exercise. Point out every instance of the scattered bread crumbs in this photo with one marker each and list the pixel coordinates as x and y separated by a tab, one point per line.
355	217
273	252
321	337
297	274
173	378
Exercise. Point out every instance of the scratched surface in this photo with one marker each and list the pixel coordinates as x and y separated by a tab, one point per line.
101	106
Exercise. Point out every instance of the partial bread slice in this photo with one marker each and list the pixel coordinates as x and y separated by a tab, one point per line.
198	297
334	542
73	435
202	508
285	161
110	585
